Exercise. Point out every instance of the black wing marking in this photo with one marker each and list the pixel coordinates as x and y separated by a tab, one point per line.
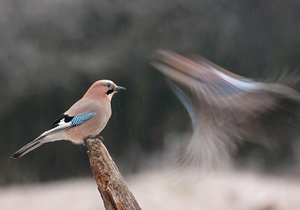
59	118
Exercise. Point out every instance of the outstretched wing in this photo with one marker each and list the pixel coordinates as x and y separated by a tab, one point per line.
211	86
223	106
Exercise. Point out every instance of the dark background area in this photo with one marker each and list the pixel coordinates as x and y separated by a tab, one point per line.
52	51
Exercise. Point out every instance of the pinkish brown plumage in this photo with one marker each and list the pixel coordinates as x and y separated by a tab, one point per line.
88	116
224	107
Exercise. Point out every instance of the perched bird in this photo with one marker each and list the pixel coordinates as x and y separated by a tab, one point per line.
224	107
86	117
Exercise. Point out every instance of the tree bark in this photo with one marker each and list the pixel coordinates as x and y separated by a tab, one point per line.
111	185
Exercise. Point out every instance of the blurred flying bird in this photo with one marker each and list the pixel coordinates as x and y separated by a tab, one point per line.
222	105
86	117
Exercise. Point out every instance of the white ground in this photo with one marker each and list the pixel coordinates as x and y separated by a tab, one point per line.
157	190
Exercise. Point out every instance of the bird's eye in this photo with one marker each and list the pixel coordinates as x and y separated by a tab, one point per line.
108	85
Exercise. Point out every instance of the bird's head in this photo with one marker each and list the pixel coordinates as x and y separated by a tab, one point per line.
105	88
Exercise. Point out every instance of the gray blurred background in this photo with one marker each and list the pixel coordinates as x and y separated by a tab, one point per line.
51	51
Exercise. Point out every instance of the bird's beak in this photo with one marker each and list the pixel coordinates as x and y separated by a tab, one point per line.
119	88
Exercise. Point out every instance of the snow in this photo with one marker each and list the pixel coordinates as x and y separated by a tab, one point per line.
159	190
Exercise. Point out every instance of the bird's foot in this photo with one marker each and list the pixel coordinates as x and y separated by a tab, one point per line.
92	137
99	137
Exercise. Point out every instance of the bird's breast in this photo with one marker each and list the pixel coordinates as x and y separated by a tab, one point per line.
92	126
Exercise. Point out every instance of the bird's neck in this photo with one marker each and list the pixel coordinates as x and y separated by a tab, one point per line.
96	95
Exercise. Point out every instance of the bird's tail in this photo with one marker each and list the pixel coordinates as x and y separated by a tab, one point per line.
27	148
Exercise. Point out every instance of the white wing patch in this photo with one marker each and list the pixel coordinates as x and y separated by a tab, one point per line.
61	126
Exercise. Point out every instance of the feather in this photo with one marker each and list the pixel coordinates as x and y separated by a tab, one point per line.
61	123
224	107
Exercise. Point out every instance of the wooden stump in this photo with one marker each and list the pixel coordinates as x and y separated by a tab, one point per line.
111	184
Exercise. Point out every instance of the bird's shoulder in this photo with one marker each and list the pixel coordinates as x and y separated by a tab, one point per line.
82	110
66	120
87	105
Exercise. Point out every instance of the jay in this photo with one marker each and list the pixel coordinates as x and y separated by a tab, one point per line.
223	106
88	116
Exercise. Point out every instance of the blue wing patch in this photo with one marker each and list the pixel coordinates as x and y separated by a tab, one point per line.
77	120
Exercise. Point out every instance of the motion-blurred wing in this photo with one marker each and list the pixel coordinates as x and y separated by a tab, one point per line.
222	105
224	91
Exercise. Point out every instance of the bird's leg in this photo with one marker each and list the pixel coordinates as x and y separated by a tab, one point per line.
86	138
